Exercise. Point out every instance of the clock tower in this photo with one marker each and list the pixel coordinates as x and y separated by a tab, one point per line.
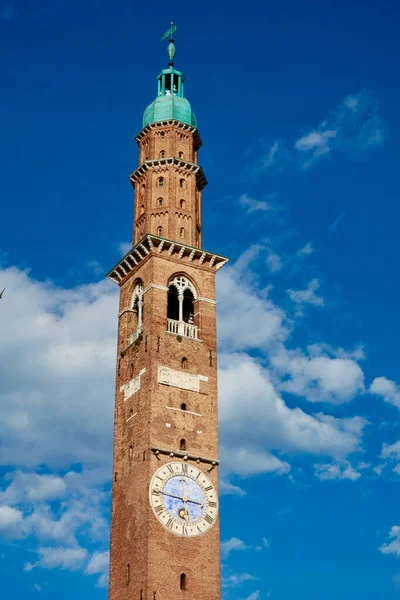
165	511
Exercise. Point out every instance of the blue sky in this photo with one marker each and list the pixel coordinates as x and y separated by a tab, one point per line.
297	105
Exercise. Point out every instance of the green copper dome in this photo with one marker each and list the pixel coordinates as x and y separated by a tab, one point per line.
165	108
170	102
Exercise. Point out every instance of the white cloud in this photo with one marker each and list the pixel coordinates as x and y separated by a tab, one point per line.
11	522
307	296
31	487
254	596
124	248
236	579
233	544
241	305
306	250
386	389
315	144
37	587
270	158
226	488
259	409
353	127
274	262
254	205
70	559
317	376
57	355
98	565
336	471
391	450
392	547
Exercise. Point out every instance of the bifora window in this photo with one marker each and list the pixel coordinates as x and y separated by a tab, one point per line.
180	307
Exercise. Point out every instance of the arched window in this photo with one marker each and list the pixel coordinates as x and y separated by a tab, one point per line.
180	154
160	202
182	232
131	451
182	183
183	581
160	182
182	203
162	133
159	231
183	406
137	307
184	362
181	297
182	445
142	209
173	303
162	154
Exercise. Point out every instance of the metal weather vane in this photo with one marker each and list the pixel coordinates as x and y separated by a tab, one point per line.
171	50
169	33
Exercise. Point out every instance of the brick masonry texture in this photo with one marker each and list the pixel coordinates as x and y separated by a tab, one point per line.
155	556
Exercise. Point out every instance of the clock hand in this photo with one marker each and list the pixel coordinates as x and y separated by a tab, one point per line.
184	498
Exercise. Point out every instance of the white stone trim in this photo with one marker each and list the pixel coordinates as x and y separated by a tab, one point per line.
156	286
131	417
205	300
180	379
132	386
189	412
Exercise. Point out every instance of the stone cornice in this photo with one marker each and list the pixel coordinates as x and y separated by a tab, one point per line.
172	160
179	124
152	244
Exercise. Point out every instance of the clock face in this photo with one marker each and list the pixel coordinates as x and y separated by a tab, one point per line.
183	499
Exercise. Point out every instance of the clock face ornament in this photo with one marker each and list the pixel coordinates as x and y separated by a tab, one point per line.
183	499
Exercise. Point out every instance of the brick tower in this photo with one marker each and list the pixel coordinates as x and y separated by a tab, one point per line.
164	526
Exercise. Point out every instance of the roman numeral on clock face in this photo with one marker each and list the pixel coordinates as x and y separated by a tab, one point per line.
170	469
159	509
169	523
212	504
209	519
207	489
184	468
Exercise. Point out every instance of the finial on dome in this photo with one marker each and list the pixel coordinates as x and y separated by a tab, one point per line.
171	50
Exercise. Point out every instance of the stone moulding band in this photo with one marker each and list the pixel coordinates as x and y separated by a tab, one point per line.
165	248
185	455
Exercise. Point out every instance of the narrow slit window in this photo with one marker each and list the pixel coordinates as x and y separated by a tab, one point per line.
160	202
183	581
162	154
115	476
182	203
128	573
182	232
161	182
182	445
184	362
182	183
183	406
130	451
180	154
159	231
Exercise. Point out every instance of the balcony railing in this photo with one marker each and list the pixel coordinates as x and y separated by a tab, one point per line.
181	328
136	334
